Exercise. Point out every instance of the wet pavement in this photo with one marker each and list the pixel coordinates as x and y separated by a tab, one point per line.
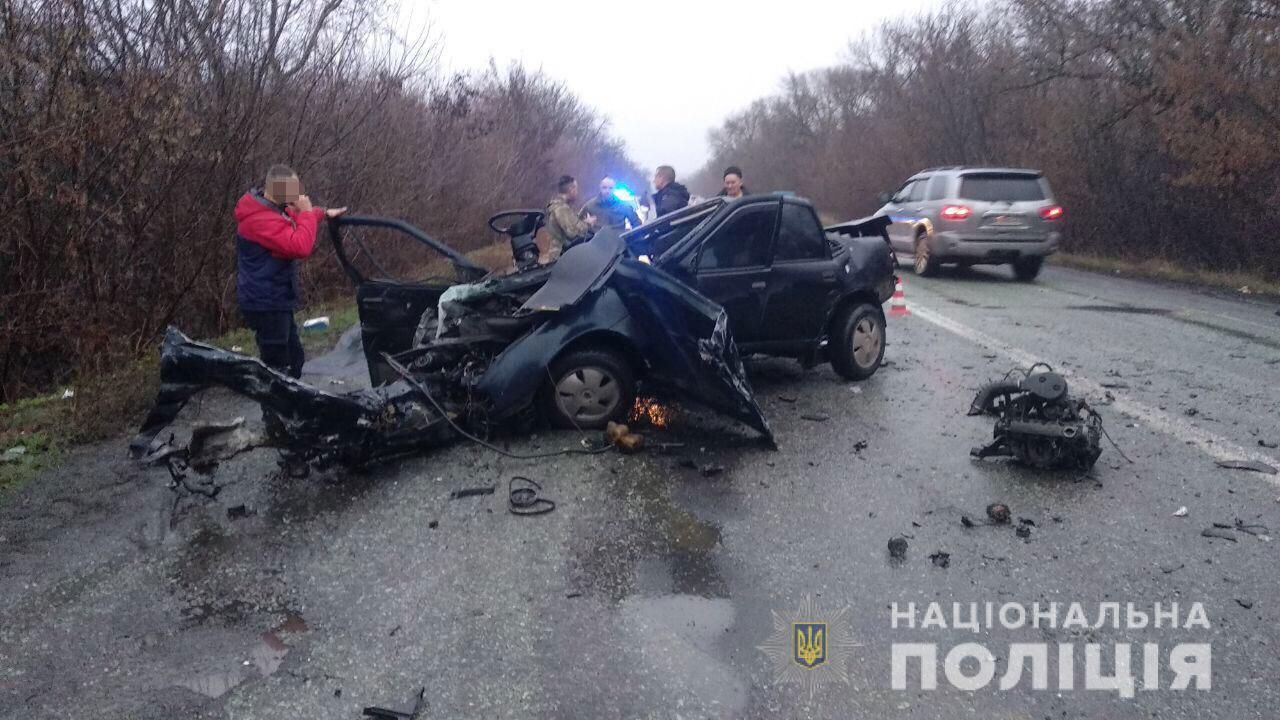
650	588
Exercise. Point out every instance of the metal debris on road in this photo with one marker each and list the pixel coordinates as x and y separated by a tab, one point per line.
1253	465
1216	532
472	492
999	513
1023	531
379	713
1181	512
1268	444
523	499
1037	422
1246	604
897	547
941	559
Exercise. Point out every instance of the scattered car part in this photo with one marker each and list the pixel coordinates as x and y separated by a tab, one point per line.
523	499
1254	465
473	491
941	559
1216	532
379	713
897	547
999	513
1038	423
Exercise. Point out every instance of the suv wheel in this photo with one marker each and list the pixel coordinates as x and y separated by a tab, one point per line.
1027	268
858	342
587	389
925	263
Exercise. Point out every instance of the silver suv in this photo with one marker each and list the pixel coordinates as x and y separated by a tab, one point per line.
975	216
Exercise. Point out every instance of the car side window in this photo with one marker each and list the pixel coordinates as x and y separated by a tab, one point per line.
800	237
917	191
937	188
904	192
742	241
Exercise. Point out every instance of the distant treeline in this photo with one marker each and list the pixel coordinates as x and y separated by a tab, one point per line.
1156	121
128	129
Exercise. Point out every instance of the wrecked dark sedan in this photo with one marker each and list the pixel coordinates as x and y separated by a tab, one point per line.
791	287
571	341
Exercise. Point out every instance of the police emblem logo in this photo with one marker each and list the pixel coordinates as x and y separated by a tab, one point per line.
810	644
810	647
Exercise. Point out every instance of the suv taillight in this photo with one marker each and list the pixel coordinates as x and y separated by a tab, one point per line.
1053	212
956	212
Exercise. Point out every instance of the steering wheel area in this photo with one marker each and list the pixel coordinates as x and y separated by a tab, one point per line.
515	223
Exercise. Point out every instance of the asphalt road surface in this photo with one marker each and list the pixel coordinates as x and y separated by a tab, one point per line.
650	589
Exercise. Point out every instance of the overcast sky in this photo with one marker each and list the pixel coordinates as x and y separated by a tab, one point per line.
665	71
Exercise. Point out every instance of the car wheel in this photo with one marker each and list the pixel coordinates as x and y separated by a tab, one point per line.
1026	269
859	342
587	389
925	263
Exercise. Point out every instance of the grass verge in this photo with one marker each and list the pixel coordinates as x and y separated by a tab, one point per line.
1157	269
36	432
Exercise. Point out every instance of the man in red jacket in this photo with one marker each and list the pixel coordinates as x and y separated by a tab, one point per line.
275	227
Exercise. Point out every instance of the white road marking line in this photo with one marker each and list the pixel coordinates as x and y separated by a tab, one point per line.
1212	445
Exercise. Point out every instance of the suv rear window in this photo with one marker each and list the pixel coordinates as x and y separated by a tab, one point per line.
1001	188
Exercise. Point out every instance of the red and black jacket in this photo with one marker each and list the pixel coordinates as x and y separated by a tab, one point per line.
269	240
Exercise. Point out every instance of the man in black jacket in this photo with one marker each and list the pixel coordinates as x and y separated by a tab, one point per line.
671	195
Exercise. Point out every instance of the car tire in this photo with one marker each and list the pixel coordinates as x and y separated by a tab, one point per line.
858	342
1026	269
587	389
924	262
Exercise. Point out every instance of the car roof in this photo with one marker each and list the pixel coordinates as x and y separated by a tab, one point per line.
972	169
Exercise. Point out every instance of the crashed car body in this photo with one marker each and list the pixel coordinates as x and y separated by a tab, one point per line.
572	339
791	287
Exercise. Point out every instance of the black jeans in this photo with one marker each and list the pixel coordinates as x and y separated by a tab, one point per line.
278	341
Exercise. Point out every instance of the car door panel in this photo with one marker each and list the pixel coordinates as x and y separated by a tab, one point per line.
390	308
733	267
803	282
389	315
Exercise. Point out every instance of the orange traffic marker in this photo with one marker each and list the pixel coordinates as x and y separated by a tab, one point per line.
898	303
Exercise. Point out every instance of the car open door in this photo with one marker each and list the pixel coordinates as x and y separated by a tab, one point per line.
390	303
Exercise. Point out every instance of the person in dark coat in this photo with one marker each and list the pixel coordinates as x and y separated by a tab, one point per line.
609	209
275	228
671	195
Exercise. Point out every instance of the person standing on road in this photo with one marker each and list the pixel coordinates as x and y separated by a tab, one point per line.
670	195
733	187
563	224
275	228
611	211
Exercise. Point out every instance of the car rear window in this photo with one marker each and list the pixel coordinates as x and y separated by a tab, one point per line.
1001	188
